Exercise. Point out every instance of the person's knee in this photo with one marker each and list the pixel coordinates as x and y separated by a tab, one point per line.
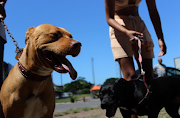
127	67
148	68
133	74
130	75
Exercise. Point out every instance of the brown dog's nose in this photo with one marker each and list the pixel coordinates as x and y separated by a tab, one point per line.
76	47
76	44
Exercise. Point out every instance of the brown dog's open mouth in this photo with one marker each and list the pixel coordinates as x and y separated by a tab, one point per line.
60	63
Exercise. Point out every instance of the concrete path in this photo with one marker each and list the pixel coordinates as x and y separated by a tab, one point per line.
61	107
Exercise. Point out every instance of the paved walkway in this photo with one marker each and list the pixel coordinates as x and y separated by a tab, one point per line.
61	107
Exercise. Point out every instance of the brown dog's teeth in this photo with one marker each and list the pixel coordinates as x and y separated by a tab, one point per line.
59	67
48	59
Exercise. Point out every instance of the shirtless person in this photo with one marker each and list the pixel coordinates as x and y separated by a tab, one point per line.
125	24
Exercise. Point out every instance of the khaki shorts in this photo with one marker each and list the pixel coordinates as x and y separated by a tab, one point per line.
122	46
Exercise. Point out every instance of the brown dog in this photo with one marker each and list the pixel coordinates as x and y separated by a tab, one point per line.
28	90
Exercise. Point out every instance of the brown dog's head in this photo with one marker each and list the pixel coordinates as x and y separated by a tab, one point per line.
52	44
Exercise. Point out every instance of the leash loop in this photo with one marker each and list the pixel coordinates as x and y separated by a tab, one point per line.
140	42
142	73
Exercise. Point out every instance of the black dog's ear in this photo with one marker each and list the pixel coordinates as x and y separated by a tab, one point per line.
120	81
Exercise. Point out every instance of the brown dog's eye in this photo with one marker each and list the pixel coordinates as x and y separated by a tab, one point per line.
57	35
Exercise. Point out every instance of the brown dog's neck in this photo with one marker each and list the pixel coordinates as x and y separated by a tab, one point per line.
29	60
28	75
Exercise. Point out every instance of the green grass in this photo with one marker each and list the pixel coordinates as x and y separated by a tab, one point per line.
83	95
62	100
162	113
73	111
92	116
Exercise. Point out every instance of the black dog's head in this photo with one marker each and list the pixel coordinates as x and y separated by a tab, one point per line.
108	100
109	97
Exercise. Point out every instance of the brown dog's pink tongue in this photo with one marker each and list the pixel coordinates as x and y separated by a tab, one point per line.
68	66
65	66
70	69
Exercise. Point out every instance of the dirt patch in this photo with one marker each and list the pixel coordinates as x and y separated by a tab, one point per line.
98	112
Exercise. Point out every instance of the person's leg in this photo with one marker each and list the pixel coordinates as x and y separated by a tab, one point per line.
1	60
148	68
127	68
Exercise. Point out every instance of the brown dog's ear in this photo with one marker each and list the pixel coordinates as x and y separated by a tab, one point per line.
28	33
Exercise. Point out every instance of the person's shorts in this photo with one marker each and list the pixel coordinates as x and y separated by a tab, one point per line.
121	44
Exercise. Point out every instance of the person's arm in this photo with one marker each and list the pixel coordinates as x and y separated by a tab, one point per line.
110	11
154	15
154	70
165	69
2	10
155	73
3	2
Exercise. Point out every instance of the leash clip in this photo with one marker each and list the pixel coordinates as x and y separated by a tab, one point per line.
142	71
18	53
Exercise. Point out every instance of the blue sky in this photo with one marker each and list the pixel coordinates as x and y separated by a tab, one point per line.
86	21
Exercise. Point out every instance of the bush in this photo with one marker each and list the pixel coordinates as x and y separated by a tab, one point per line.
73	99
85	91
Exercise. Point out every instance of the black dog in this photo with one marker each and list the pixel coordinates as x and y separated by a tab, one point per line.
129	96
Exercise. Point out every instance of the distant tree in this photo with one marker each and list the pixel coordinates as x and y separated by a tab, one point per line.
110	80
68	87
81	79
84	83
88	85
59	90
77	85
85	91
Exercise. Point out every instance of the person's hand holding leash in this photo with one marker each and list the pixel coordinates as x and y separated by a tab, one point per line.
134	35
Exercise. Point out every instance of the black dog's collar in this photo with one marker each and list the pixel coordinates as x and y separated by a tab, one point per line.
31	76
